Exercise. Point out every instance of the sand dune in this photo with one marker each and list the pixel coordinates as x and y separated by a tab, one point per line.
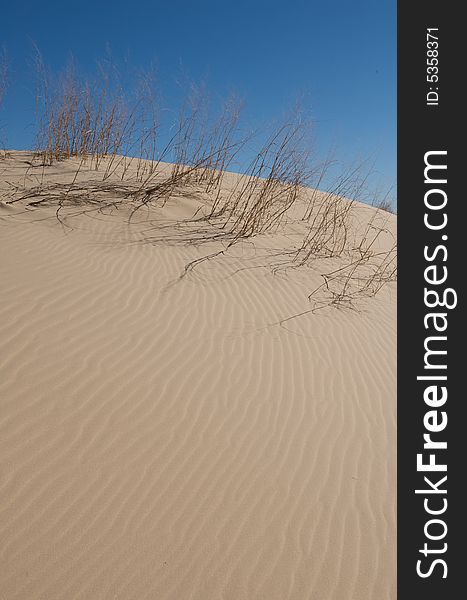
167	440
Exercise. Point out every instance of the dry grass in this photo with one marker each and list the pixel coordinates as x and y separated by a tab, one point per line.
271	185
364	269
93	120
335	231
79	117
386	205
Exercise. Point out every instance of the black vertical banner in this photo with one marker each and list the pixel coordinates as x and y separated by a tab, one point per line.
432	256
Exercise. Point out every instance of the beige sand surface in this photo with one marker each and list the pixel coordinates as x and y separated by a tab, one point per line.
165	440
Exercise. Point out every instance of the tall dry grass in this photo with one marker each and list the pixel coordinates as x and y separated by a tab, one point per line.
96	119
80	117
271	184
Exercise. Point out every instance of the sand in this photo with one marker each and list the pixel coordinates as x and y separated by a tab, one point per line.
169	439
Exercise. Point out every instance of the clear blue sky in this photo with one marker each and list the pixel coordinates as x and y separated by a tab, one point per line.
340	56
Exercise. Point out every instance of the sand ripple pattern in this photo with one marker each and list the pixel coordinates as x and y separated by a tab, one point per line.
169	443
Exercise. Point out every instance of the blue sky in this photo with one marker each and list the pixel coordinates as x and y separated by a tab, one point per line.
339	57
